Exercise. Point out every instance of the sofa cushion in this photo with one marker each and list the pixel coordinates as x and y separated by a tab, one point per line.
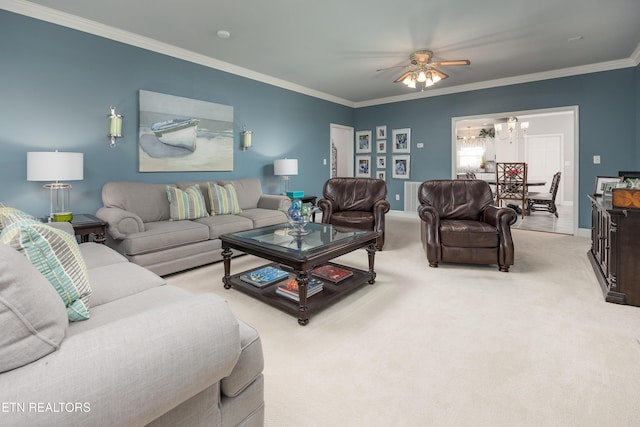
224	224
163	235
115	281
33	318
97	255
468	234
249	191
148	201
249	365
186	204
55	253
263	217
224	199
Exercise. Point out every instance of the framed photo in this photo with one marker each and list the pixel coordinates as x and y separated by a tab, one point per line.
363	166
601	180
381	132
381	175
401	167
401	140
381	146
381	162
363	141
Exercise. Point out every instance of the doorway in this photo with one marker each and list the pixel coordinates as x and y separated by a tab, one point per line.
552	137
341	149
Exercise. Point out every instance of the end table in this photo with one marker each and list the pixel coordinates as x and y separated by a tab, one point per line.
84	225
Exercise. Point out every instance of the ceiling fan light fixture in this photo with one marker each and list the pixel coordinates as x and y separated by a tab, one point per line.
422	76
412	84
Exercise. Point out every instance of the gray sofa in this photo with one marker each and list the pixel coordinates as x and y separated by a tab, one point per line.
139	227
150	353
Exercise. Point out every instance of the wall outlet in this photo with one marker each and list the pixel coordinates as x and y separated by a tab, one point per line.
420	145
596	160
397	197
324	162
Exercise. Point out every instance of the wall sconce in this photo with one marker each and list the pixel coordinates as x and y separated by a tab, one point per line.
245	139
115	126
56	166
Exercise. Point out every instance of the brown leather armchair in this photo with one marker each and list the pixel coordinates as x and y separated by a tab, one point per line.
355	203
460	224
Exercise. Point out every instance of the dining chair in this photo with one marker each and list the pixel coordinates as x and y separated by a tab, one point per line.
545	201
511	183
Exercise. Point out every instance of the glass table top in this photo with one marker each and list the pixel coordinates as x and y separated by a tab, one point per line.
281	237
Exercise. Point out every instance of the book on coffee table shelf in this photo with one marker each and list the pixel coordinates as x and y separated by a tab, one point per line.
289	288
264	276
332	272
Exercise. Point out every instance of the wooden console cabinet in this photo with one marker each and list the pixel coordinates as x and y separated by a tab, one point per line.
615	251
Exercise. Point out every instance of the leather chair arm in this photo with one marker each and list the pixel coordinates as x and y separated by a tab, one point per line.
431	232
327	207
502	219
499	217
380	208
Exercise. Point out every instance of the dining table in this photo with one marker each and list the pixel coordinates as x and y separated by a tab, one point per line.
530	183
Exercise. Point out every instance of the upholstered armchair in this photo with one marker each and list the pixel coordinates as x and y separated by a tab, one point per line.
355	203
460	224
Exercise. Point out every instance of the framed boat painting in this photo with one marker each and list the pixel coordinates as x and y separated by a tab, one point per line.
184	135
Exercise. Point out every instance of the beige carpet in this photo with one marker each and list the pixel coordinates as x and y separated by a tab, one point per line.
452	346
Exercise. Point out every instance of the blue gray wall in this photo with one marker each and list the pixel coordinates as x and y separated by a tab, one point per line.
57	84
56	87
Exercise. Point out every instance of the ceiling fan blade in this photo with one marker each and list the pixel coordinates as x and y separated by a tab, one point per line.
448	63
395	66
403	76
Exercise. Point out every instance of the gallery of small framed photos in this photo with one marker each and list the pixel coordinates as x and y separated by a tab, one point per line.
400	153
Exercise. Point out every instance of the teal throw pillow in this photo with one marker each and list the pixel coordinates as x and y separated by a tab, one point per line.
55	253
186	204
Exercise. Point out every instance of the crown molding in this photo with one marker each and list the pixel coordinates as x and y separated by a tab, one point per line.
43	13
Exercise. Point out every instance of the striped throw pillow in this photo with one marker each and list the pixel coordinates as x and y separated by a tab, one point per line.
224	199
186	204
9	215
55	253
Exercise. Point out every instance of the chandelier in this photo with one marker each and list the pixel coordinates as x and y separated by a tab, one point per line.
512	127
425	76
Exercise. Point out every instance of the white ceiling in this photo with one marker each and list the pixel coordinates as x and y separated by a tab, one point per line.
332	48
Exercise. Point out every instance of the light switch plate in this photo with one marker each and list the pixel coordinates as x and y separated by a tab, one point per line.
596	160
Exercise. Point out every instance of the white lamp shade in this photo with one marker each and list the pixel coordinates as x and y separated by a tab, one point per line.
285	167
55	166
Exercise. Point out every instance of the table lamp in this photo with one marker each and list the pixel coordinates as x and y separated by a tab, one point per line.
56	166
285	168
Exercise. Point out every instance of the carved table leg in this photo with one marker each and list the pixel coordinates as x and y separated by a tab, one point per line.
226	257
371	252
303	280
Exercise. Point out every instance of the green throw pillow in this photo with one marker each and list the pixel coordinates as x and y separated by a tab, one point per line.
224	199
186	204
55	253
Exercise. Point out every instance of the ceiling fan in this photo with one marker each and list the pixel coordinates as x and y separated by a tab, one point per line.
422	69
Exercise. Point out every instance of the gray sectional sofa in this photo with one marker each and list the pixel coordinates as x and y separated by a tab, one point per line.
150	353
139	227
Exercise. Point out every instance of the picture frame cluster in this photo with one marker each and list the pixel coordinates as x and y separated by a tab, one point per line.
400	149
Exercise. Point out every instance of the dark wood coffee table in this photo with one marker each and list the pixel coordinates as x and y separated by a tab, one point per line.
299	255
